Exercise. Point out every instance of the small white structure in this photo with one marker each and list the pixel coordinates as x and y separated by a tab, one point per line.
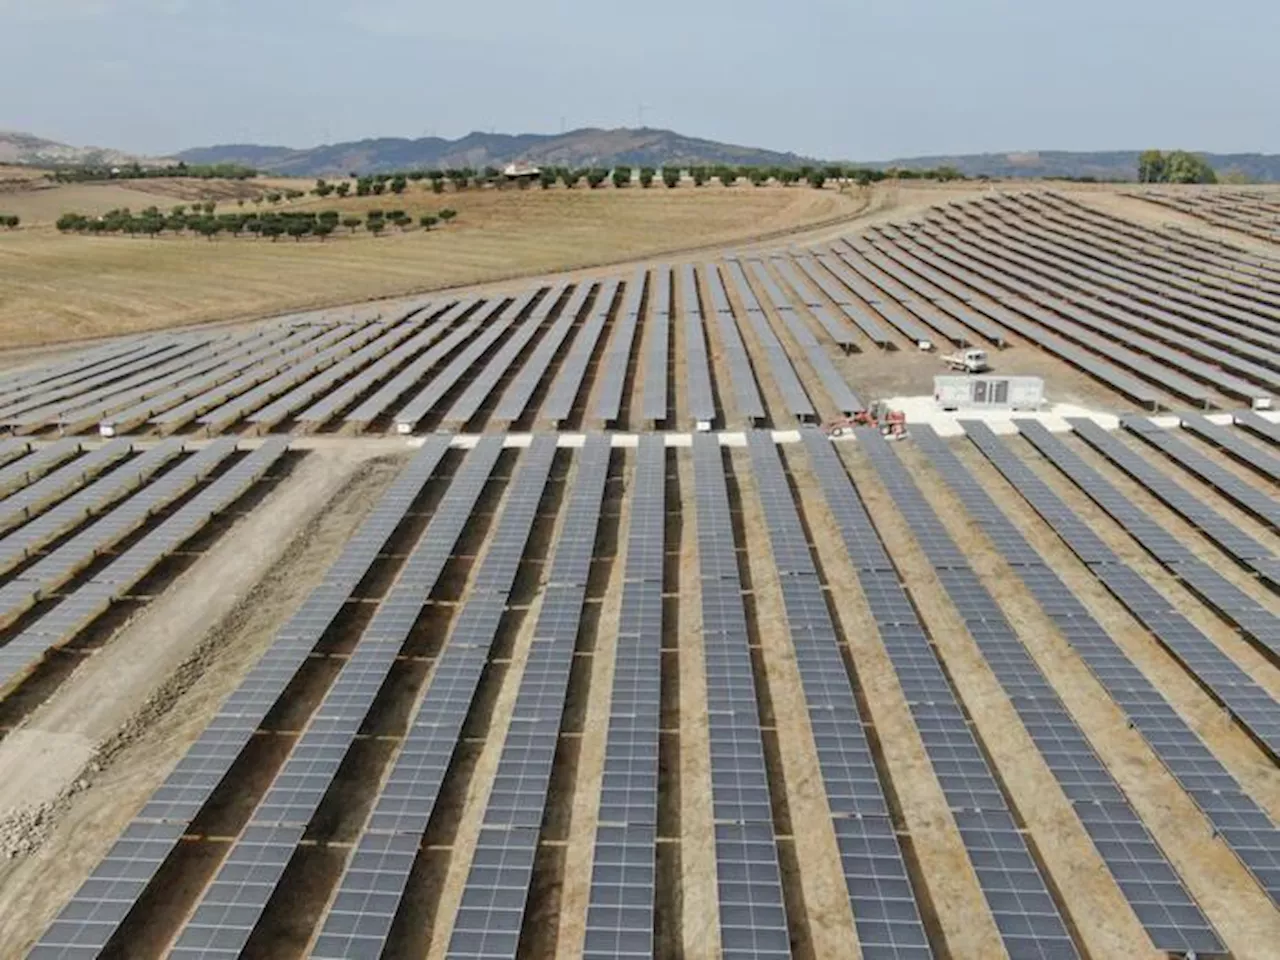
517	171
990	392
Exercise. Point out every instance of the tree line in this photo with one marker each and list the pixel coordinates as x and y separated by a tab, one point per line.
134	171
1177	166
203	220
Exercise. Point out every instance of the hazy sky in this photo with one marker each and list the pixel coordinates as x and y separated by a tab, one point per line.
830	78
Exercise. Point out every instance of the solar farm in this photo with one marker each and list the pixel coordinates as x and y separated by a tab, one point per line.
545	619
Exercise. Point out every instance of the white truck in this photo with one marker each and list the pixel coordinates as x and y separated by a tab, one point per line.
970	361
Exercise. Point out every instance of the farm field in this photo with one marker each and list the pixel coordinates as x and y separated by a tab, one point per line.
542	617
57	288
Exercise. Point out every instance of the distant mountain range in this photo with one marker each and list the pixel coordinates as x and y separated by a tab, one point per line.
35	151
604	148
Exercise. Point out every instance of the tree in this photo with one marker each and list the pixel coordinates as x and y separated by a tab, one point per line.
273	229
294	194
210	206
322	230
375	227
437	186
12	221
343	189
646	177
69	222
817	179
379	188
547	178
671	177
570	178
179	210
446	214
833	172
428	221
727	176
621	177
1151	167
298	229
1184	167
323	189
595	177
398	185
699	175
352	223
274	198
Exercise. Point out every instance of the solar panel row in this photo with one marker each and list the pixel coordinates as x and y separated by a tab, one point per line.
1240	546
1258	426
1218	674
94	915
22	383
884	905
897	318
30	468
794	397
742	378
30	500
1029	921
519	393
812	266
1137	864
568	384
233	902
1256	459
1232	603
1117	323
1247	498
492	911
489	332
753	921
840	333
1239	821
617	358
657	347
900	298
114	581
842	398
620	911
484	382
373	882
697	366
1005	310
42	530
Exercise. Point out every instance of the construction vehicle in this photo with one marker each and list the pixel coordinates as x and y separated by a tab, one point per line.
891	423
970	361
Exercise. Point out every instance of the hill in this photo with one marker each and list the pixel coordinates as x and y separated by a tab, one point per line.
578	148
24	148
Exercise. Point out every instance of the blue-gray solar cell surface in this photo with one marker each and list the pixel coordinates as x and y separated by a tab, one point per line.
94	915
1243	697
657	346
742	378
617	358
1239	821
1138	865
885	911
492	911
373	882
784	375
753	921
620	911
1257	425
567	388
1256	459
701	401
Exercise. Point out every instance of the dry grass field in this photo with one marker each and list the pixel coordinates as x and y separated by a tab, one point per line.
57	288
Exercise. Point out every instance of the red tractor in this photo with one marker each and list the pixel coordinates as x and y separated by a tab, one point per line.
891	423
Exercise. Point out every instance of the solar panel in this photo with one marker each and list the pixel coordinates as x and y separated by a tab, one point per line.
940	272
519	393
844	399
657	347
753	919
620	912
741	376
281	817
784	375
95	913
488	334
35	465
24	383
1240	546
1137	864
840	333
343	371
1258	426
1027	923
1044	286
901	297
887	310
1256	459
31	499
568	384
89	502
617	358
485	381
1232	603
884	906
492	913
1244	496
697	367
361	913
1239	821
839	295
1215	672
